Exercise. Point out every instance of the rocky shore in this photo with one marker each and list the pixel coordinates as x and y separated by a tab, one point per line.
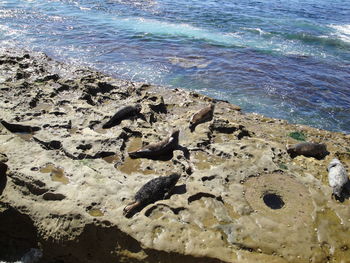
64	180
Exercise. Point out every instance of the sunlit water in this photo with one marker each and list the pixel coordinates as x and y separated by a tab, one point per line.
284	59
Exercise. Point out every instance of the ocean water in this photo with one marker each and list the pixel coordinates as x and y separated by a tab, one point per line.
287	59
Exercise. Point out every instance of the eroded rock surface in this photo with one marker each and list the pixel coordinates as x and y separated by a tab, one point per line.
240	198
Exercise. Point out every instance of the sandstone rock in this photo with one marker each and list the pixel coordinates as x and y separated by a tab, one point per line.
241	197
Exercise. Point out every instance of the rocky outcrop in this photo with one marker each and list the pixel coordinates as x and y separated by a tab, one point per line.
65	180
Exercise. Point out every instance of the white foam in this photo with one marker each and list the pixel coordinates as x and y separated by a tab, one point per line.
256	29
342	32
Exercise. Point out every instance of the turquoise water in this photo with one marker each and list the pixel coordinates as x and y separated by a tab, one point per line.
284	59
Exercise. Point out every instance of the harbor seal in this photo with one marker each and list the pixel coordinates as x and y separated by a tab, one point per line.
156	189
163	147
122	114
204	115
337	178
308	149
18	128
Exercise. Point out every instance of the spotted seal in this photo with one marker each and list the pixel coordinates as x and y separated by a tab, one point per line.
308	149
203	115
337	178
122	114
156	189
163	147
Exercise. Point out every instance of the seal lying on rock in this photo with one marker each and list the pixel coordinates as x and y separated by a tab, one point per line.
154	190
166	146
18	128
204	115
337	178
308	149
122	114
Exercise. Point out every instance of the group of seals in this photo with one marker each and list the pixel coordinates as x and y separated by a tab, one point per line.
161	187
337	176
155	189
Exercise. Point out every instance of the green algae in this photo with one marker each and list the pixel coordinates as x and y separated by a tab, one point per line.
299	136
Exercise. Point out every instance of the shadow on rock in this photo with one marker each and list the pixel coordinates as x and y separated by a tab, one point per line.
3	178
160	157
345	194
17	235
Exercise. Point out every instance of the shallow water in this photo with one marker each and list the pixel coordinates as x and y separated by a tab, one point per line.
284	59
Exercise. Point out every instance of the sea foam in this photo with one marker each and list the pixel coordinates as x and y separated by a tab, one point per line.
342	32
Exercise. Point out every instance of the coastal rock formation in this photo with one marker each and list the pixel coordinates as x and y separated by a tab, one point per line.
241	197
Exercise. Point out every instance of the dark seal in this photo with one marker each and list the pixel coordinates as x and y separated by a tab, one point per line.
203	115
19	128
156	189
308	149
155	150
122	114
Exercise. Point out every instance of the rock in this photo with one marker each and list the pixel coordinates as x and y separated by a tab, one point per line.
240	196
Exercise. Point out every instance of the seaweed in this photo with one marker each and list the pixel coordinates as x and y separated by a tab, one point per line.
299	136
283	166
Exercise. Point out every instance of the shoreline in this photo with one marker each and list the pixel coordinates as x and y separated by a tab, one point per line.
88	66
67	200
